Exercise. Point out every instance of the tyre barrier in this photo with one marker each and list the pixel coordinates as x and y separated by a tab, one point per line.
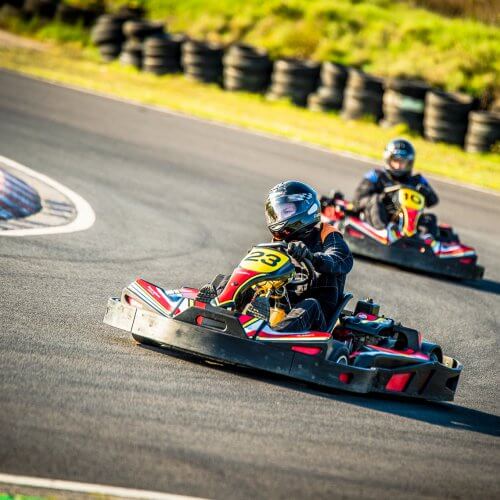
404	102
246	68
294	79
44	9
483	132
72	14
202	61
108	35
330	94
162	54
17	198
136	31
446	116
363	96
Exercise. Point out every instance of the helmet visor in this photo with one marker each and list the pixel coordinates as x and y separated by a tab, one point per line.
282	207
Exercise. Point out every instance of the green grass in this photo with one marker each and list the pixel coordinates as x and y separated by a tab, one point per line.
70	64
386	37
390	38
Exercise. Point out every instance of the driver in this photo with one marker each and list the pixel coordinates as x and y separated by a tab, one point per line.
377	206
293	216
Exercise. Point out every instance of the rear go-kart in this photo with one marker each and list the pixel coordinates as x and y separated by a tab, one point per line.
401	243
235	324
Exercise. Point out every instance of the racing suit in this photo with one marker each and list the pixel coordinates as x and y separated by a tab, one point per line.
377	207
332	260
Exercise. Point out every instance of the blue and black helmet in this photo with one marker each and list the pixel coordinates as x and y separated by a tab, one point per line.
292	210
399	156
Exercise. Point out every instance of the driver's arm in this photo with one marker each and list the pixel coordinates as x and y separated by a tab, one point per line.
336	257
366	190
424	188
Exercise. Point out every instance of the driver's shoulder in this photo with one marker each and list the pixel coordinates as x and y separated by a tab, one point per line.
326	230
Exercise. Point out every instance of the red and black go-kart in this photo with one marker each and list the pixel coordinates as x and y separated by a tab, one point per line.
400	243
360	351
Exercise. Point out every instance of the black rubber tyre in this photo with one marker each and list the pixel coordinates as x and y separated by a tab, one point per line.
359	103
339	354
107	54
133	46
203	74
206	61
161	69
131	59
411	88
139	29
100	35
363	81
308	70
195	47
164	46
483	132
333	75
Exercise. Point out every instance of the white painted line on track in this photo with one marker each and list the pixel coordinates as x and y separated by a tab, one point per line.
99	489
85	217
314	147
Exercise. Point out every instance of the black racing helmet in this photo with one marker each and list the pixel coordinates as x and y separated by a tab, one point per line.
292	210
399	156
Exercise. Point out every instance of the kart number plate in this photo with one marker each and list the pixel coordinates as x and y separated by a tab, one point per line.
263	260
411	199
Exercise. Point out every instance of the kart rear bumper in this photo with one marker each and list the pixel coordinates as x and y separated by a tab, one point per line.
431	380
411	257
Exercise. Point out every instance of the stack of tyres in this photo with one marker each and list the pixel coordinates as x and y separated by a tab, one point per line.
73	14
363	96
246	68
136	31
446	116
483	134
162	54
330	94
108	35
44	9
294	79
404	102
11	8
202	61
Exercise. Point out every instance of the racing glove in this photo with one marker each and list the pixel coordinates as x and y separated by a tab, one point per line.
299	251
424	190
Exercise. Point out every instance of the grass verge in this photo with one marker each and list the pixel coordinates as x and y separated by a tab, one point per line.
70	64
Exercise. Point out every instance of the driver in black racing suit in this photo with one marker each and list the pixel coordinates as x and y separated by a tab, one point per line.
378	206
293	216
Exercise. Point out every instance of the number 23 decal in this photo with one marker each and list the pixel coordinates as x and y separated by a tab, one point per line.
270	259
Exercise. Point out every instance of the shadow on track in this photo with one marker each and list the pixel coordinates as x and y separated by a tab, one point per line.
482	285
442	414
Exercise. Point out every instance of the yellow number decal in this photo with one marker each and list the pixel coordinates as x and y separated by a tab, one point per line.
263	260
411	199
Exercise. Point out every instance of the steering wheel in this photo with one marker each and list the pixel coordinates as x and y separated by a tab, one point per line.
304	276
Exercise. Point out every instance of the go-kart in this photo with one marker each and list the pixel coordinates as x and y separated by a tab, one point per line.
359	351
401	243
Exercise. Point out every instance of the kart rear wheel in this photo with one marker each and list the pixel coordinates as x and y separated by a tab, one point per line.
340	355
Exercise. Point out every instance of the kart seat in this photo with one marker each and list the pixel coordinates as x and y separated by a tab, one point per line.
335	316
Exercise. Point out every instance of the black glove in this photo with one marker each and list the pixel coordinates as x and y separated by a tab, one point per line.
299	251
424	190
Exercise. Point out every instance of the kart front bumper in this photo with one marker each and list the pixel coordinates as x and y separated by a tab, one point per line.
431	380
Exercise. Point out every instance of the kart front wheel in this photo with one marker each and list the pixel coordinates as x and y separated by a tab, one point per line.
340	355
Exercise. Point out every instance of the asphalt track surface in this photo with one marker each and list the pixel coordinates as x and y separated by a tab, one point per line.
178	200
